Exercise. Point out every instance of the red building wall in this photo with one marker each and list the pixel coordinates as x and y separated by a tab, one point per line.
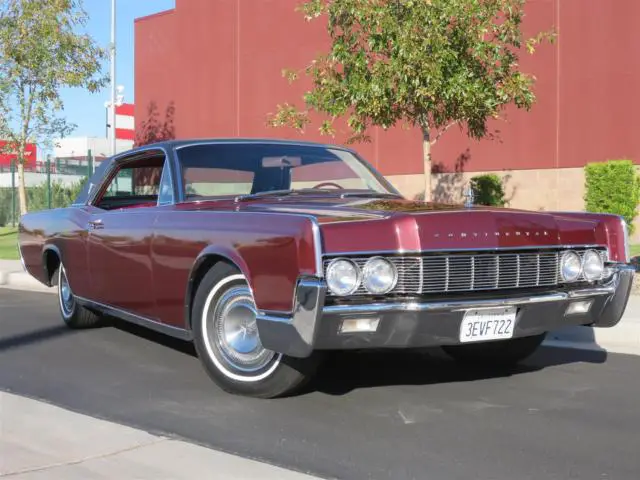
219	64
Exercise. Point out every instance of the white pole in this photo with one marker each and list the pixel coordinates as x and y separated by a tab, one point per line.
113	78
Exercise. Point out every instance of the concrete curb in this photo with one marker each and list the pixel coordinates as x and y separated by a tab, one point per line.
22	281
623	338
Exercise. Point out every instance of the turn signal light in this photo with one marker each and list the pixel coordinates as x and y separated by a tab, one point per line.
359	325
578	307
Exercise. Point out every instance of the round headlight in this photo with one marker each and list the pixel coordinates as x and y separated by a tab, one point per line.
592	265
379	276
343	276
570	266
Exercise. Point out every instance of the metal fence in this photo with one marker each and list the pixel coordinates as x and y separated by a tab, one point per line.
52	183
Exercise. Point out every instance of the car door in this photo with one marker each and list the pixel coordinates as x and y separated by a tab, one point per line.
120	232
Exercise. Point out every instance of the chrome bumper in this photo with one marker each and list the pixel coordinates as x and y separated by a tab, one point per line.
315	326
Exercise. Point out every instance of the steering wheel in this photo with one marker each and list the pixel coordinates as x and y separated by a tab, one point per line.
328	184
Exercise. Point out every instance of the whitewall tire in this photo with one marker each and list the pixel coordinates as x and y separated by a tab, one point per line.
223	321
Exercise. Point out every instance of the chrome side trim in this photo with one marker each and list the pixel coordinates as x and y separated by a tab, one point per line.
169	330
373	308
295	335
438	250
315	227
625	233
317	246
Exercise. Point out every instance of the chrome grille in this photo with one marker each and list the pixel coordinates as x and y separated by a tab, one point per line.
444	273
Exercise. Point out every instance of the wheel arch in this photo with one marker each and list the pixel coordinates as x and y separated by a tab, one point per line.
51	260
209	257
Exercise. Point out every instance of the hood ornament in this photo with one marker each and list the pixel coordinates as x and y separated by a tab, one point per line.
469	196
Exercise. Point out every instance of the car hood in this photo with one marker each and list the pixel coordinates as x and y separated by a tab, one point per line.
356	224
365	224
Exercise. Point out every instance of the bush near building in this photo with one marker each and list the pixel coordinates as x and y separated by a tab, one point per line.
613	187
488	190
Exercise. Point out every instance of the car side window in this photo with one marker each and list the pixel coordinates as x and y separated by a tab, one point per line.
134	184
165	195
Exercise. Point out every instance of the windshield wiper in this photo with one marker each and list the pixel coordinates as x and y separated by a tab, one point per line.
371	193
302	191
291	191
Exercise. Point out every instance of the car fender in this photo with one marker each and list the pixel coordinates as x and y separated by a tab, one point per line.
222	252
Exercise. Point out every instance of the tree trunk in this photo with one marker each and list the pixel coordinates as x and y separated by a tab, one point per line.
426	153
22	193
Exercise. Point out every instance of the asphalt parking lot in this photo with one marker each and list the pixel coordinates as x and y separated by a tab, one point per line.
566	414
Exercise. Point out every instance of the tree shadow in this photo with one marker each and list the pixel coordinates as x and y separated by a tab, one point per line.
152	129
451	183
449	187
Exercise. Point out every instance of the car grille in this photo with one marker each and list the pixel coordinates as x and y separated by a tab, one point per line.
449	273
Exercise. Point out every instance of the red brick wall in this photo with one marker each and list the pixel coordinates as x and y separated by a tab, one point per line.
220	63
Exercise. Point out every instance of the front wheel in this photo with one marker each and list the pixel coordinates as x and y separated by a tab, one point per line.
228	344
501	353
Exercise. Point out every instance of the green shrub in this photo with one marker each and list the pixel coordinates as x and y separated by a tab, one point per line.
61	196
488	190
613	187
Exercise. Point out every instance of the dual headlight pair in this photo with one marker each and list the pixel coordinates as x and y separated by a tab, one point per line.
572	266
378	276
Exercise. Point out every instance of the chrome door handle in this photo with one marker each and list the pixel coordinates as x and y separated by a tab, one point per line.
95	224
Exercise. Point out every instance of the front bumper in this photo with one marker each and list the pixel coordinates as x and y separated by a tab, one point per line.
314	326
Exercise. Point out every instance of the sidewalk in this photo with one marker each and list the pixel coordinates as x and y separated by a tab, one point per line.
12	275
41	441
623	338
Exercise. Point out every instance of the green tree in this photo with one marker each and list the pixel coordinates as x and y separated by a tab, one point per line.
426	63
42	52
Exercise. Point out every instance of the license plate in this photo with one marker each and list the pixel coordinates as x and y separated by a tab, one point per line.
488	324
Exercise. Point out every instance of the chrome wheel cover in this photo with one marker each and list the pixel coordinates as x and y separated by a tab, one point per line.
229	326
65	295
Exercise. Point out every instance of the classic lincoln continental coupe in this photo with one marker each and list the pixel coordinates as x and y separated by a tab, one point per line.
267	254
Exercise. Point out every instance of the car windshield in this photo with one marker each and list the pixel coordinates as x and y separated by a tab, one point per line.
259	169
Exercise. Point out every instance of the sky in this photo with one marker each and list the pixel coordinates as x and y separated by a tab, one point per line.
87	110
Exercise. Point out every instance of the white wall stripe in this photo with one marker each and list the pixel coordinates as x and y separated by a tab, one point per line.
125	121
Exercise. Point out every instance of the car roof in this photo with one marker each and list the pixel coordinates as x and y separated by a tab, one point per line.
236	140
97	176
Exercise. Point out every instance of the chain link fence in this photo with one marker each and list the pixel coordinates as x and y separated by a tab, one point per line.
52	183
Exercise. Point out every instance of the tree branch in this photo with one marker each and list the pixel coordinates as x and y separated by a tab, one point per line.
442	132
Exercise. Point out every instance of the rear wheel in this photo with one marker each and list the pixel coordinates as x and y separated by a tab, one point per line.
228	344
502	353
73	314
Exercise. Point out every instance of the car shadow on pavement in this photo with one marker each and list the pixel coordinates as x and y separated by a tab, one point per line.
344	372
164	340
34	337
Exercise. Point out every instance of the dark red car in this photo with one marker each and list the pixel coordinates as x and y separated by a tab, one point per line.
266	253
